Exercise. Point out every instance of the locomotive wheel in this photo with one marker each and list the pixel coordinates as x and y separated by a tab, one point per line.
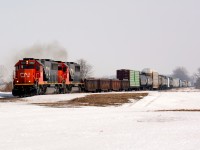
61	90
64	90
57	90
39	90
69	89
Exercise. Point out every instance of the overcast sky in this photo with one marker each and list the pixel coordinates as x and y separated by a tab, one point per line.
109	34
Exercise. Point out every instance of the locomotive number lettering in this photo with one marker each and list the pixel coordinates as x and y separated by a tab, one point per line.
23	75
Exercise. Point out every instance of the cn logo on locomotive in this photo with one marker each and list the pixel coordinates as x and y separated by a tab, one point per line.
23	75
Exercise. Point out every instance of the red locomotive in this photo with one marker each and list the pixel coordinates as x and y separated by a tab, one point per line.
33	76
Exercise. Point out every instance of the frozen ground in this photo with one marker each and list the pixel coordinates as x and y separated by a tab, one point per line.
145	125
5	95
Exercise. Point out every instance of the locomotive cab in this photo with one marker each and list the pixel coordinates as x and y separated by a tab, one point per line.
74	71
63	73
28	74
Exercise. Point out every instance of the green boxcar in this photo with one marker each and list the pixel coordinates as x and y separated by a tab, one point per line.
134	79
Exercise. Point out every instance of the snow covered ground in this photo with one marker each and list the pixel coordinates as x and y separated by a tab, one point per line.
140	125
5	95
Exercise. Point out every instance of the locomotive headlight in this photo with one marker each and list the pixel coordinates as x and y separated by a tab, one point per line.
17	81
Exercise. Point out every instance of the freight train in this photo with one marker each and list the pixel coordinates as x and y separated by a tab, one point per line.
34	76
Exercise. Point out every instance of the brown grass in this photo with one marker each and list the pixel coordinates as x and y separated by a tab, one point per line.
101	100
192	110
12	99
7	88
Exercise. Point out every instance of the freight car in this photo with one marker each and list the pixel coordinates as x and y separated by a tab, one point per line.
162	82
132	76
115	85
146	82
104	85
91	85
154	76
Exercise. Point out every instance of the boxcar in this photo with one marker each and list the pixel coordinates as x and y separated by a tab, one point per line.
154	76
162	82
176	83
155	80
131	75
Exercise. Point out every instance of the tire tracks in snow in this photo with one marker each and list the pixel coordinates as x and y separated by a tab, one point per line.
153	100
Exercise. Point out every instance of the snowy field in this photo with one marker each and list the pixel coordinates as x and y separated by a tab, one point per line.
147	124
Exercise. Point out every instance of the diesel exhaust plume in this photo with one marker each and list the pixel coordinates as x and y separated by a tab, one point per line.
44	51
51	50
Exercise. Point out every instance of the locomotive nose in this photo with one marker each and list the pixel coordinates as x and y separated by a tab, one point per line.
26	76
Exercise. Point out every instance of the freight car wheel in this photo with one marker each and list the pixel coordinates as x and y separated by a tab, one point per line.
63	90
81	88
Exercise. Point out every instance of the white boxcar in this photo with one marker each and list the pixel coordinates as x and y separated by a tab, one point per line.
176	83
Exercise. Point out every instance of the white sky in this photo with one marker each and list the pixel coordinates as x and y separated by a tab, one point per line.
110	34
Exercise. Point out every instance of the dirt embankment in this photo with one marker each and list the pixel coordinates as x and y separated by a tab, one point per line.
187	110
11	99
101	100
7	87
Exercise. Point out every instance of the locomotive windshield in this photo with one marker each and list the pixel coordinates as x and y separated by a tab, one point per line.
62	68
77	69
59	67
27	66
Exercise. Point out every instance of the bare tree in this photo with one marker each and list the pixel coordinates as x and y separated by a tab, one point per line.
181	73
5	74
1	74
197	77
5	79
86	70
